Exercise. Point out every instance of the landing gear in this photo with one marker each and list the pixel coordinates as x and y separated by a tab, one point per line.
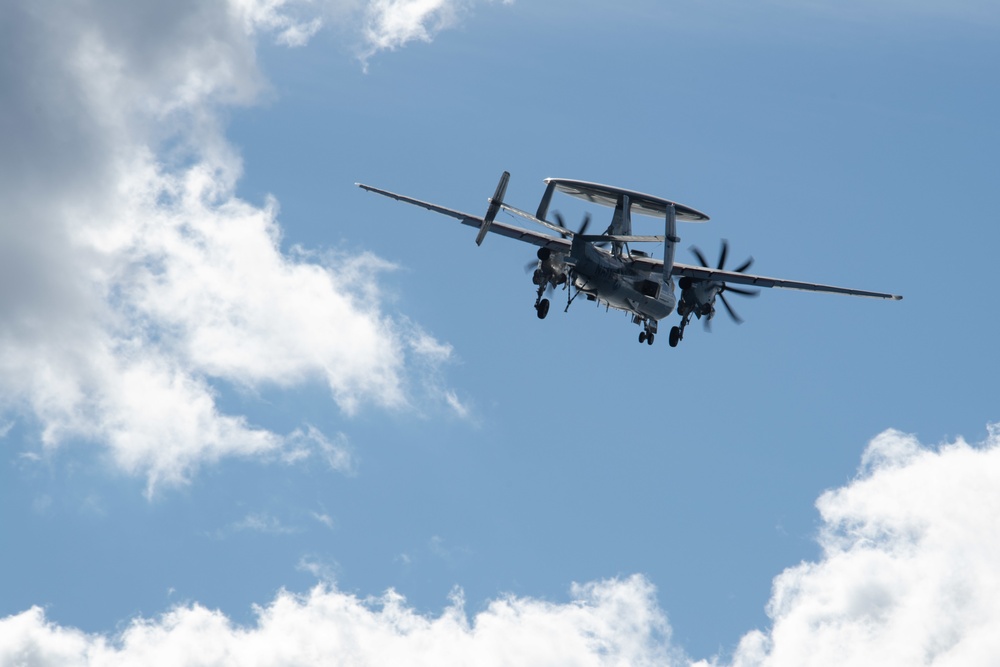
648	333
541	305
543	308
677	333
675	336
547	278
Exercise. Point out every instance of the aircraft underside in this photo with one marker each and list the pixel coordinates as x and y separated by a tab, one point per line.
602	267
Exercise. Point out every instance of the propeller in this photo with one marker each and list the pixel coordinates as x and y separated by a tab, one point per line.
583	227
723	253
721	266
562	223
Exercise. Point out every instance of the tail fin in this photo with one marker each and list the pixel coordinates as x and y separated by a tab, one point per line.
670	242
621	222
491	212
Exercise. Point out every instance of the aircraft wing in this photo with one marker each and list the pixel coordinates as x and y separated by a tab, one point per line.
553	243
704	273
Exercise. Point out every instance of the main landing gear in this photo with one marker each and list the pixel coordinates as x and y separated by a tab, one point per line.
677	333
542	308
540	279
541	305
648	334
548	275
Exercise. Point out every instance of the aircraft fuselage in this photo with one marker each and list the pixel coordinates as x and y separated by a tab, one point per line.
616	282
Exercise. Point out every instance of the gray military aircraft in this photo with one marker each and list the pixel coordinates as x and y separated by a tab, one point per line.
606	270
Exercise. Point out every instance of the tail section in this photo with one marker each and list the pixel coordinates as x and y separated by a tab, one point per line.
491	212
670	242
621	222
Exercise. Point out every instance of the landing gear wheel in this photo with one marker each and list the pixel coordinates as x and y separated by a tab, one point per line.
649	338
542	308
675	336
642	336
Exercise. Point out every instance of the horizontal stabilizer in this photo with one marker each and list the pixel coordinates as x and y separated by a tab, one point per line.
618	238
544	223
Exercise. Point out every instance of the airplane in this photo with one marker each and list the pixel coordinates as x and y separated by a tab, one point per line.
605	269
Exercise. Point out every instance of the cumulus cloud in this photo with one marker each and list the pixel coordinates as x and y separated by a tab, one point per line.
607	623
132	279
909	570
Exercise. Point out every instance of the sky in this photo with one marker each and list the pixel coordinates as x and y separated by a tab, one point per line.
252	414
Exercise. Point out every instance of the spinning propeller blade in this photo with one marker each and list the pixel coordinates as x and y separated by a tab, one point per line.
729	309
721	265
582	231
743	291
723	254
701	257
560	222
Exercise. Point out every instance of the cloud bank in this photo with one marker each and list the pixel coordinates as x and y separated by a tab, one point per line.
132	279
908	576
607	623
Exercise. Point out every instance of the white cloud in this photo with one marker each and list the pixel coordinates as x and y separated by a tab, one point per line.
391	24
909	570
262	522
336	453
132	279
283	17
324	570
461	410
324	519
607	623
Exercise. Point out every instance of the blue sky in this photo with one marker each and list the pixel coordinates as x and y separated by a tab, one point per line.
240	395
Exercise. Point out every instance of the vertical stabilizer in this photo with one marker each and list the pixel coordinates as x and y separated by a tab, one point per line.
543	206
670	242
621	222
491	212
